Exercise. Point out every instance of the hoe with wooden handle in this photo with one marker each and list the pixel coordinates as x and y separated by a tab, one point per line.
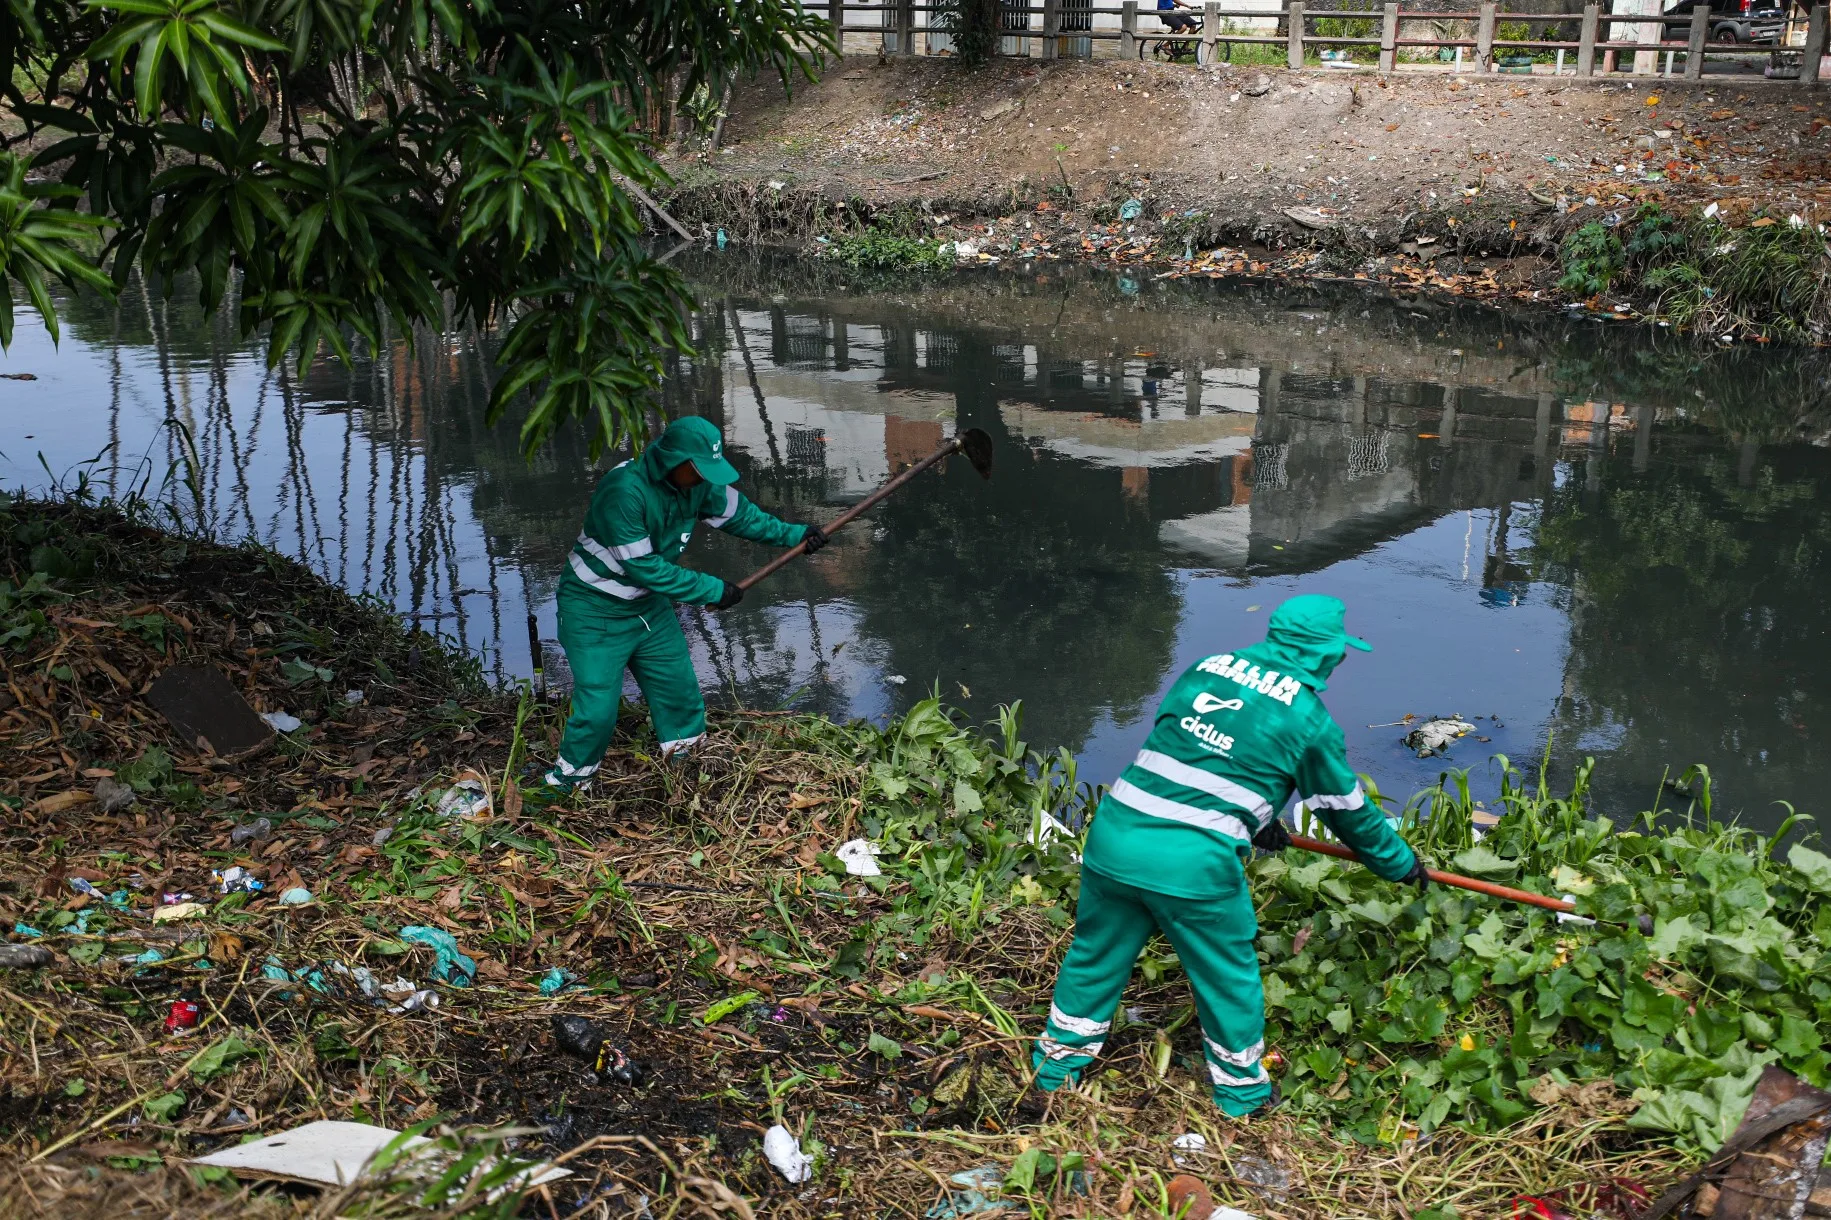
977	447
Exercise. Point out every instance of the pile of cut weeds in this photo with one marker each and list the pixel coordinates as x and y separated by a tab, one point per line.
697	915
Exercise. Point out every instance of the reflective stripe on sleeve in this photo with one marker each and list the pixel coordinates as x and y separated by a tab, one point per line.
1203	781
730	510
634	550
1160	807
598	551
1353	800
603	584
1080	1027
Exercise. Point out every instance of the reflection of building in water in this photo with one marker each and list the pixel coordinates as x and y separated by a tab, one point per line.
1281	469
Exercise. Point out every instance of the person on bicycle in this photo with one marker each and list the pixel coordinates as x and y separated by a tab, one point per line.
1173	21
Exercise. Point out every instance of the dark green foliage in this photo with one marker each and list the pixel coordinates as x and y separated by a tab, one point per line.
1401	1010
367	170
878	250
1591	258
973	25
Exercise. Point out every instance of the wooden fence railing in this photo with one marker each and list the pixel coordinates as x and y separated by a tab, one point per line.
1052	29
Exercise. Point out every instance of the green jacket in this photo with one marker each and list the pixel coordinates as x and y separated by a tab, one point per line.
638	525
1238	734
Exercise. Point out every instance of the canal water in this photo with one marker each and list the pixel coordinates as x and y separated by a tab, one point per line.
1592	541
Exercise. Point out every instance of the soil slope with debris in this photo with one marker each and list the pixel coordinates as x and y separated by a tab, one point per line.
700	918
1501	164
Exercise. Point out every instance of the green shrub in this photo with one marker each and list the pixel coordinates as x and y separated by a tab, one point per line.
1592	257
876	250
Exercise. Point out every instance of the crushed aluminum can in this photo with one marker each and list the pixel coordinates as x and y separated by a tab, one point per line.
184	1014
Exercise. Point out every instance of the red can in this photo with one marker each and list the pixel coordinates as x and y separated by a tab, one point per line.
183	1015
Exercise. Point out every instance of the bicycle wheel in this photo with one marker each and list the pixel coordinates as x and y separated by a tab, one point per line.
1204	56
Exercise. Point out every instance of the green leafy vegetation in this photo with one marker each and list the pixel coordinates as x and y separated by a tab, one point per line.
881	249
360	172
1407	1013
1772	276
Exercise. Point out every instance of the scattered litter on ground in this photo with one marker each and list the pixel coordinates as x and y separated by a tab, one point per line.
1261	1173
251	832
454	967
207	711
297	896
860	857
175	911
183	1014
237	879
1189	1198
328	1153
1189	1141
21	957
977	1194
556	980
281	722
784	1152
468	797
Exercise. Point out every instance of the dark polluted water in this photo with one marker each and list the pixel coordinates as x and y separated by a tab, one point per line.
1599	541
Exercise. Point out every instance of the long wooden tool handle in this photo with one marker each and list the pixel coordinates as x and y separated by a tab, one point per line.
863	506
1442	878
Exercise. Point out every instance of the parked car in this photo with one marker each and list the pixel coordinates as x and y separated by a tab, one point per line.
1757	21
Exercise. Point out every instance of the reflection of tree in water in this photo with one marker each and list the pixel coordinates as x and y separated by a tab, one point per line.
1698	619
1045	545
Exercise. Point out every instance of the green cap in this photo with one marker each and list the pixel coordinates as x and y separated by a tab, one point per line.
696	440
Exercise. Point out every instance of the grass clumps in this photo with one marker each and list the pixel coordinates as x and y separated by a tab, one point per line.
879	249
1770	278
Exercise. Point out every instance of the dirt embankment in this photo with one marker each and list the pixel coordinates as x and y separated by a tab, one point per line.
1494	164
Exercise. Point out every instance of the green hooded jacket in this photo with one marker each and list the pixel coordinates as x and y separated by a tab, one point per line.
639	523
1239	734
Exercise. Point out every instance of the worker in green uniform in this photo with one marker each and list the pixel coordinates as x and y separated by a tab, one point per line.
617	595
1236	736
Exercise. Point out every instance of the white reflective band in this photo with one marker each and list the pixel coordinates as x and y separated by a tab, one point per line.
1227	1081
566	768
1239	1059
634	550
1055	1050
1158	807
603	584
730	510
599	552
1080	1027
1203	781
681	743
1353	800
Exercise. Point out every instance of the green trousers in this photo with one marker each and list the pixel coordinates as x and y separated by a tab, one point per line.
1214	939
601	640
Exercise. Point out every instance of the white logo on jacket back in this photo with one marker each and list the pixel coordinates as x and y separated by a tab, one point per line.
1205	703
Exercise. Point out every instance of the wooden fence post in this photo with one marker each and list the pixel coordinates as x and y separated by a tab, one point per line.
1484	38
1813	54
1211	25
1128	30
1295	58
836	13
1586	41
1052	28
1389	39
1694	46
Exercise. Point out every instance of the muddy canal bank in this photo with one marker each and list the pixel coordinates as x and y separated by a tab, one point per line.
1469	186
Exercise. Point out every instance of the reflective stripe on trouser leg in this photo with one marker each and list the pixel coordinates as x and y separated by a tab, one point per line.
664	670
1214	940
598	645
1110	929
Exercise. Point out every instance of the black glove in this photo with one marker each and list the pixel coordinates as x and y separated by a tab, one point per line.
732	595
1272	837
1418	876
814	539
